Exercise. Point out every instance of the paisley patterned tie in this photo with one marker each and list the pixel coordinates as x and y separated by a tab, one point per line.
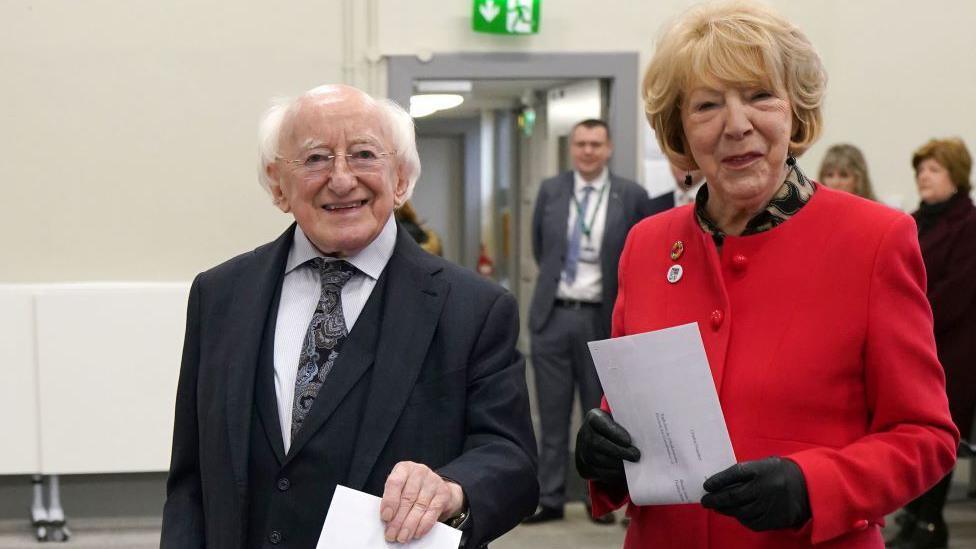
323	340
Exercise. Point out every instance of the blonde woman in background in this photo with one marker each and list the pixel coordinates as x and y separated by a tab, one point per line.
423	235
843	168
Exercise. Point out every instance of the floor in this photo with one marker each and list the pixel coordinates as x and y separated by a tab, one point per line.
575	532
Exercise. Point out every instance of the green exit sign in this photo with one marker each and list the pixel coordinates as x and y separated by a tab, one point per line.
506	16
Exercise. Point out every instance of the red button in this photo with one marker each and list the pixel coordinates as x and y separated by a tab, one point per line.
739	262
717	318
860	525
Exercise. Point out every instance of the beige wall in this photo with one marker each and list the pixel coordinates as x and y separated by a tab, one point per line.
128	125
128	131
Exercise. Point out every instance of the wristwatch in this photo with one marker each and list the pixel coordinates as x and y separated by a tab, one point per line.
459	520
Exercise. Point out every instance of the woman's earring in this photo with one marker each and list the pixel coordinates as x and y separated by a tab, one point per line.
790	160
688	180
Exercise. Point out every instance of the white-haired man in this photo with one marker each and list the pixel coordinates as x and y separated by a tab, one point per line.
341	353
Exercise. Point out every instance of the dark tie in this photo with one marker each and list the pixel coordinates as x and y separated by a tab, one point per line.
323	340
572	254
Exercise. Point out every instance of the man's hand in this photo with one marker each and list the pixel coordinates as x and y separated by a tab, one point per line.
414	498
601	446
768	494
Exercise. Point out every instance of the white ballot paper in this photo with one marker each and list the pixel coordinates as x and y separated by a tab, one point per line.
661	390
354	522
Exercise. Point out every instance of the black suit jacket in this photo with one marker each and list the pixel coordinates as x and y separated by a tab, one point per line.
446	388
662	203
627	204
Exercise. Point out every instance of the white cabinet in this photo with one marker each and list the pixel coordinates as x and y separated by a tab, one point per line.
103	363
18	384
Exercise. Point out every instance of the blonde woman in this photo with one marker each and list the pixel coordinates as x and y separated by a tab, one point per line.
844	168
810	302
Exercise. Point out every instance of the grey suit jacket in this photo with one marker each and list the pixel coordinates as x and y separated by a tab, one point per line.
448	390
628	203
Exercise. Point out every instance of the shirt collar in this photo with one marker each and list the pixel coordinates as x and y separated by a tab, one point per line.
792	195
371	260
597	184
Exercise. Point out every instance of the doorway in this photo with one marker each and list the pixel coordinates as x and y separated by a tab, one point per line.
502	163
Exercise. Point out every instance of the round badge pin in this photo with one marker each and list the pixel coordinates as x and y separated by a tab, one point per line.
677	249
675	273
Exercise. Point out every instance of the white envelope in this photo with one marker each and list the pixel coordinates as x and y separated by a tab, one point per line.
660	389
354	522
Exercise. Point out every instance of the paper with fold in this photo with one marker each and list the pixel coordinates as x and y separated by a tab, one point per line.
660	389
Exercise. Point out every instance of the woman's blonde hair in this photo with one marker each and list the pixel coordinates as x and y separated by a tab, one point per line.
951	153
733	43
848	158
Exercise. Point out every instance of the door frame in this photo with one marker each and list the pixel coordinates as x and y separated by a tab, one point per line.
619	68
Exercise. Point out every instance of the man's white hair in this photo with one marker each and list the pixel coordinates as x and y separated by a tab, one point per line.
398	123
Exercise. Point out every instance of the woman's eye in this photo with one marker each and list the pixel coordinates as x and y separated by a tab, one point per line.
760	95
704	106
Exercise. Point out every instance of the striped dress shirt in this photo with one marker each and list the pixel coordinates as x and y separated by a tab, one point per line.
300	292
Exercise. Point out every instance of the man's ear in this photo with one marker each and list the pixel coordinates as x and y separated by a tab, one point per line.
400	190
279	198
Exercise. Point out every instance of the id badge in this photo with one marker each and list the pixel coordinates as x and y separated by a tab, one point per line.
589	254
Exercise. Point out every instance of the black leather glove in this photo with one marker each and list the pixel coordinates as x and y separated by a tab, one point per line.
601	446
767	494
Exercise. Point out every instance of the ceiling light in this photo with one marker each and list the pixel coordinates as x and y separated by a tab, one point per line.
429	103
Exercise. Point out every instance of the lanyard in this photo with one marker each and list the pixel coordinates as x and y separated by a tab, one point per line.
587	228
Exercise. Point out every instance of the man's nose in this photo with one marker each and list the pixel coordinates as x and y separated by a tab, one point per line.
341	180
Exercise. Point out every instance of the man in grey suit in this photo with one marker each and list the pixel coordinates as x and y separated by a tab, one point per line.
579	226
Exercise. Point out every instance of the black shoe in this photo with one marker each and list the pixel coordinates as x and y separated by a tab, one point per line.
925	535
544	514
608	518
906	522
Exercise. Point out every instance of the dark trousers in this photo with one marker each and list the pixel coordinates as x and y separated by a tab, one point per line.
562	364
928	506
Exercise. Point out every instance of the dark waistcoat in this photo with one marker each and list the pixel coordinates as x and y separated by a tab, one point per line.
288	495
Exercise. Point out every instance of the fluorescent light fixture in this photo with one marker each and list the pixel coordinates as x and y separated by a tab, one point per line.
429	103
442	86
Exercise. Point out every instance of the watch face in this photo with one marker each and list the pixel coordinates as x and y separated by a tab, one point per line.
457	521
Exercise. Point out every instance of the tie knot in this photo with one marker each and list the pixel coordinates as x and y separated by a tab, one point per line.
334	273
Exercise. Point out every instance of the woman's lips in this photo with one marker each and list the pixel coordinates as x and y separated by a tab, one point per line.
740	160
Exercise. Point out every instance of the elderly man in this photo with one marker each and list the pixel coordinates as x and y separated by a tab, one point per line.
341	353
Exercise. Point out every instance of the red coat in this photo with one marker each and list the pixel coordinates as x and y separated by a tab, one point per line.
949	251
819	337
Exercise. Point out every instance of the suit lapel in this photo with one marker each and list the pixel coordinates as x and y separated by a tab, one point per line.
615	214
252	296
264	386
410	310
561	203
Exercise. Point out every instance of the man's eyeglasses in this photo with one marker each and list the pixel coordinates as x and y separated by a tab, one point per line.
320	162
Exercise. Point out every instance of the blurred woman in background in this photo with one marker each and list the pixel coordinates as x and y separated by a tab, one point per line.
423	235
946	221
843	168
